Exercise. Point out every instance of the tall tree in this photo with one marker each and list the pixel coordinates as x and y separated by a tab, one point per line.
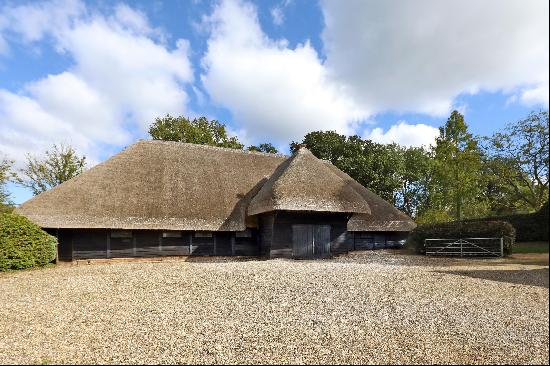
457	168
59	164
5	202
265	147
517	159
197	131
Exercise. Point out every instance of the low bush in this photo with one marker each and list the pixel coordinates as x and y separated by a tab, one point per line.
458	230
529	227
24	244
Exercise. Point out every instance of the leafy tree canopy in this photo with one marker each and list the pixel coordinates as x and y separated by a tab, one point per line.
58	165
5	175
197	131
517	161
457	167
265	147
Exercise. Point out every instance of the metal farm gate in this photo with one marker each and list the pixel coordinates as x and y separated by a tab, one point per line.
471	247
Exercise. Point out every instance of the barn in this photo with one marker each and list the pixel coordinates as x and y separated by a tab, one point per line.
158	198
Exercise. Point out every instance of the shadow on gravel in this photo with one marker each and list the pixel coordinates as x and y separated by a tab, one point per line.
531	277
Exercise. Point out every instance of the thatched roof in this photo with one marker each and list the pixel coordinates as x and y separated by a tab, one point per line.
176	186
305	183
383	216
158	185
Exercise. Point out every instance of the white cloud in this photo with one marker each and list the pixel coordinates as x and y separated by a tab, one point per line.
122	77
276	93
419	55
404	134
277	15
535	96
278	12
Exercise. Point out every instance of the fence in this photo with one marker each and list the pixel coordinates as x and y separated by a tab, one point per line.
474	247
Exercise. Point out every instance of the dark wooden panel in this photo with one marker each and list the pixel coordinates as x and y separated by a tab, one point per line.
89	244
266	233
247	246
364	241
341	239
65	245
122	247
173	245
302	241
202	246
282	235
147	243
321	240
224	243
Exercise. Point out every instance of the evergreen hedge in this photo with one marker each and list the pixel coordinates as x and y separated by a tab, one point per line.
24	244
464	229
529	227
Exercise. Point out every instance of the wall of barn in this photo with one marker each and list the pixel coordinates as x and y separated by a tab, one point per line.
281	245
273	239
276	233
104	243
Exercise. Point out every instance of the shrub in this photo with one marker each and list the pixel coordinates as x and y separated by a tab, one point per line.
467	229
23	244
529	227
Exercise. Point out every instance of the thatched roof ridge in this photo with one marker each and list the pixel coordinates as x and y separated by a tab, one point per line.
383	216
304	183
213	148
158	185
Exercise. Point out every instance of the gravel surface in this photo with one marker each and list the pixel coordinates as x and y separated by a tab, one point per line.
374	308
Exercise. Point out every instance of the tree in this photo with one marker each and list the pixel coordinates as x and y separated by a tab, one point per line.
57	166
5	203
197	131
517	161
457	180
412	196
265	147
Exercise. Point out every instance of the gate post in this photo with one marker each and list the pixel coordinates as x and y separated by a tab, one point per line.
501	246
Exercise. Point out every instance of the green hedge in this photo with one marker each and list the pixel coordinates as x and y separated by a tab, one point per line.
23	244
457	230
529	227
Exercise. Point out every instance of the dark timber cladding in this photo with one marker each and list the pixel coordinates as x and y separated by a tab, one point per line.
158	198
89	244
289	227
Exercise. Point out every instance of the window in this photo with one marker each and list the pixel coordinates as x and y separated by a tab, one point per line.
203	234
121	234
243	234
171	234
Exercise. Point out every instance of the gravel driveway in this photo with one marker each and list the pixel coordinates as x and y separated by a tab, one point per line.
374	308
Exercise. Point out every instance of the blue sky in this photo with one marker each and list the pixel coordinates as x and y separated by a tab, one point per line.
95	74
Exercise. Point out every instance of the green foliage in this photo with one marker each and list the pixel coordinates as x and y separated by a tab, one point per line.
461	229
23	244
516	162
457	178
5	204
529	227
265	147
197	131
57	166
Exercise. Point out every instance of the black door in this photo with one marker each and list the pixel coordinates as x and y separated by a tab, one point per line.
310	241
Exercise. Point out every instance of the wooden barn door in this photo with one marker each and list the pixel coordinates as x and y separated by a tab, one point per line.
302	241
321	240
310	241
